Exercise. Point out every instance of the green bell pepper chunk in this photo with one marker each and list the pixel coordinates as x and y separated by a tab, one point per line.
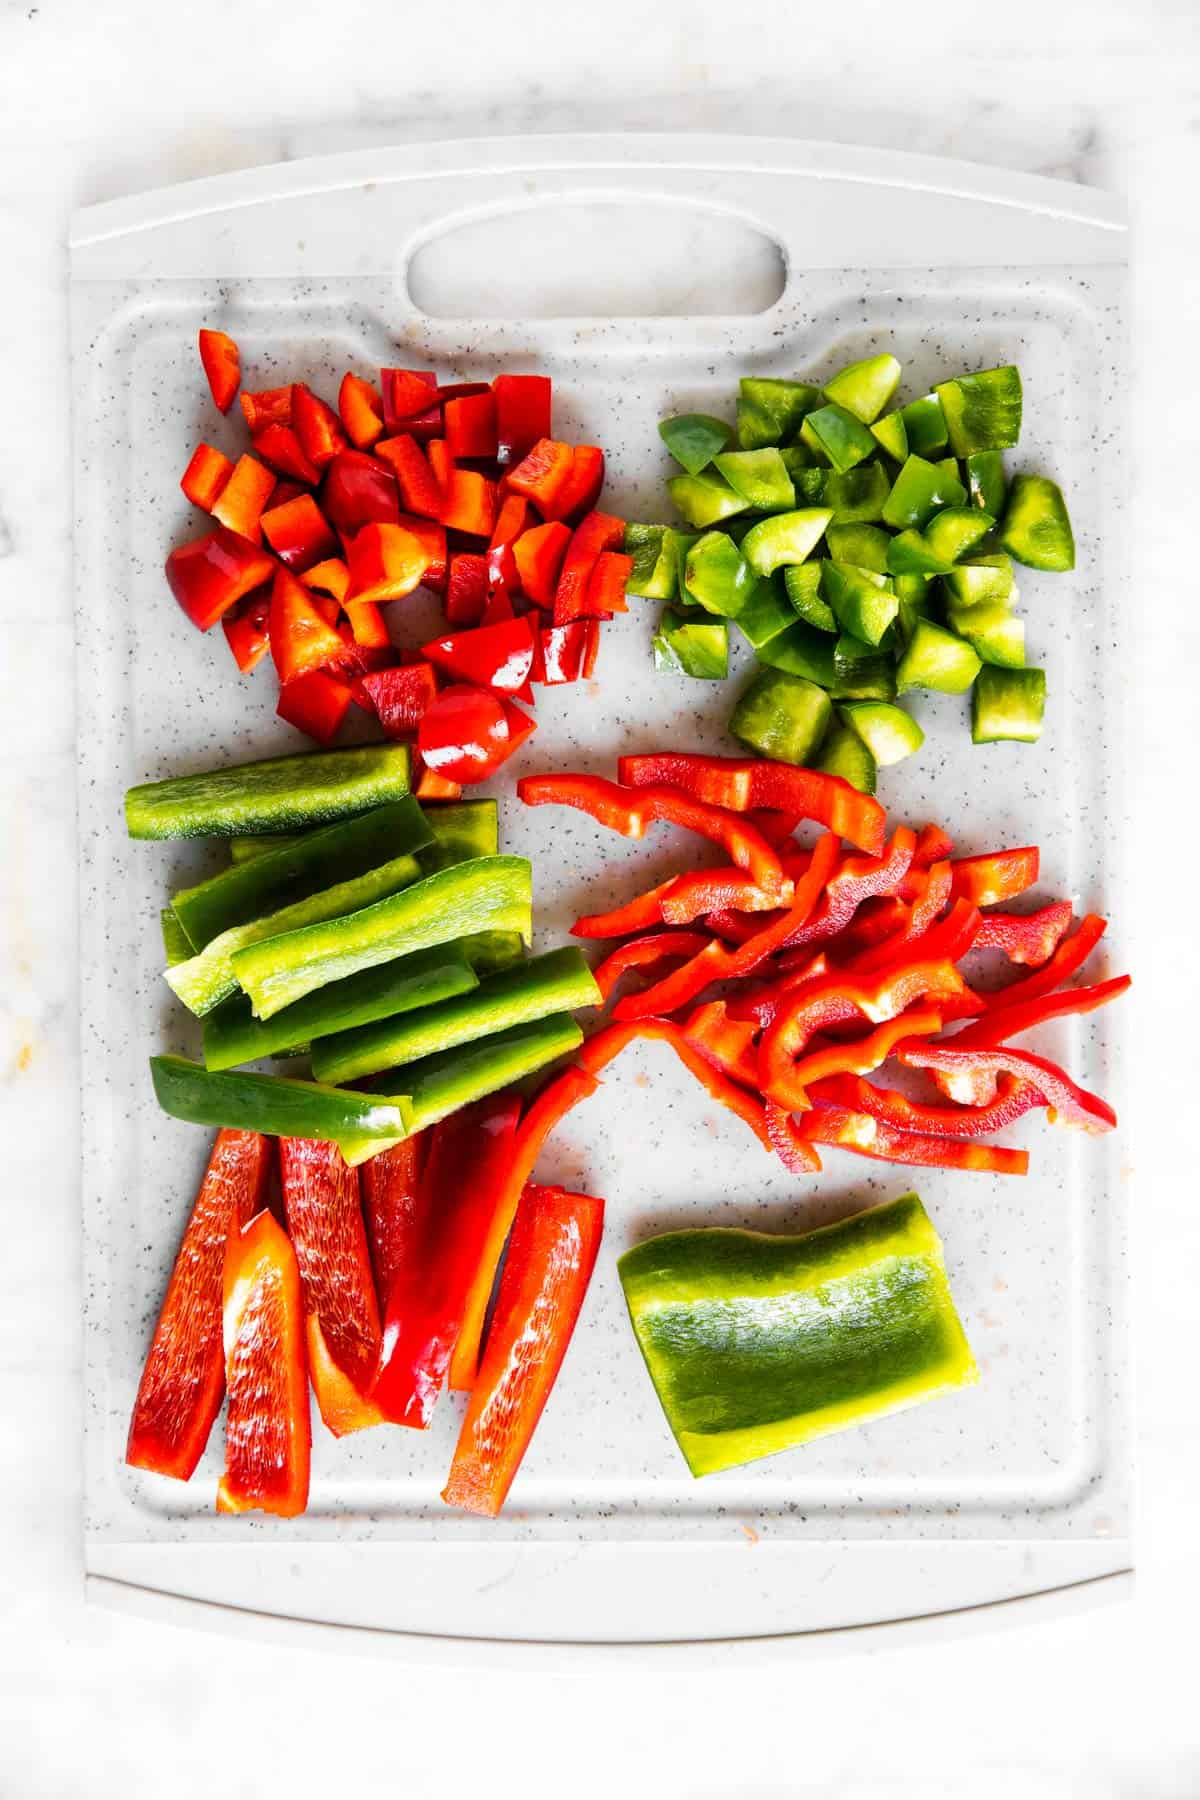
864	388
910	554
704	499
838	436
680	545
1008	704
691	646
982	411
934	658
767	612
769	411
784	538
865	546
863	602
362	1124
862	672
844	753
440	1085
280	794
782	716
491	894
810	486
653	576
797	458
986	480
1036	528
756	1343
950	534
985	578
924	425
801	650
558	982
919	491
857	496
889	732
760	477
177	945
889	433
717	576
992	631
802	585
694	439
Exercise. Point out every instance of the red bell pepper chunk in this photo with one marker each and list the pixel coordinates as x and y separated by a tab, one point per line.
1000	875
329	577
469	503
359	490
471	425
606	585
211	573
268	1433
582	487
520	726
968	1073
269	406
654	947
542	473
317	426
419	489
222	364
402	697
368	627
299	534
742	784
315	703
522	414
410	401
386	562
464	1173
183	1379
539	555
432	538
727	1043
430	786
205	476
464	735
458	390
247	630
867	1136
1029	938
1012	1099
591	538
498	608
390	1187
511	521
325	1223
361	411
280	446
1003	1022
555	1239
466	588
608	1042
494	656
300	638
243	498
569	651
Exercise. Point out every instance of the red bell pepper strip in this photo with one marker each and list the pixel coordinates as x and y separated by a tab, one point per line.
211	573
581	489
742	783
793	1151
243	498
595	534
269	406
268	1433
636	915
857	879
552	1105
1071	954
1029	938
1000	875
247	630
466	589
361	411
808	888
608	1043
359	490
222	364
856	1056
419	489
469	503
654	947
539	554
968	1073
918	929
329	577
183	1380
205	476
631	812
471	425
707	890
776	827
606	585
279	446
550	1259
1012	1098
876	923
727	1043
464	735
542	473
1003	1022
933	845
315	703
711	964
325	1223
867	1136
386	562
522	414
390	1188
464	1173
933	899
495	656
300	638
401	697
298	534
569	651
410	401
950	938
317	426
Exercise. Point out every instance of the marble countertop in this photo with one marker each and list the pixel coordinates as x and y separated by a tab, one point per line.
100	101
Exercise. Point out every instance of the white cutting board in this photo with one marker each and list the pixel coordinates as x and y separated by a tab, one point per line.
1016	1488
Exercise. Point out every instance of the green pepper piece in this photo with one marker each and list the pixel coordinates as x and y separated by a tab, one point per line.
992	631
653	576
439	1085
1008	705
862	672
810	486
1036	528
950	534
704	499
760	477
985	578
889	433
909	554
694	439
717	576
278	1106
844	753
177	945
691	646
768	611
462	830
281	793
837	435
924	425
769	411
801	650
889	732
678	545
490	951
937	659
797	458
919	491
802	584
857	496
982	411
863	602
865	546
864	388
986	481
784	538
782	716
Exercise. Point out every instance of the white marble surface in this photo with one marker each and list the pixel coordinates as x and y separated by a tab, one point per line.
96	101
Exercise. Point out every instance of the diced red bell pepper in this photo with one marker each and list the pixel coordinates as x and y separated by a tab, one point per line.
299	534
498	608
402	697
222	366
361	411
1070	955
471	426
640	952
539	556
608	1042
359	659
205	476
432	538
317	426
594	535
315	703
569	651
1012	1099
606	585
359	490
1000	875
269	406
1029	938
494	656
466	589
1003	1022
464	736
464	1173
285	490
329	577
469	503
430	786
520	726
542	474
522	414
243	498
511	521
867	1136
280	446
183	1379
410	402
300	638
247	630
211	573
968	1073
582	487
386	562
419	489
742	783
458	390
268	1433
390	1187
368	627
555	1240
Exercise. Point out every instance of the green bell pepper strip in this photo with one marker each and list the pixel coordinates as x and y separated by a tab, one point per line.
278	1106
782	716
770	411
177	945
232	1035
891	436
864	388
249	890
992	630
862	671
864	546
704	499
951	533
490	951
758	1343
844	753
280	794
694	439
491	893
801	650
985	578
889	732
863	603
982	411
937	659
919	491
760	477
767	612
924	425
987	483
784	538
210	976
857	496
838	436
654	575
1008	704
1036	528
558	982
717	576
245	849
802	585
693	647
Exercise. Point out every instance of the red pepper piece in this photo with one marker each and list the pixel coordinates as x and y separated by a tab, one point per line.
368	627
867	1136
325	1223
542	473
520	726
268	1434
857	1056
240	504
1071	954
211	573
315	703
933	846
1029	938
432	538
458	390
247	630
390	1186
183	1380
950	939
606	585
410	401
494	656
511	521
689	897
471	425
419	489
741	784
498	608
539	556
727	1043
1000	875
972	1070
300	638
776	827
464	1173
433	787
550	1260
205	476
522	414
317	426
279	446
552	1105
466	589
269	406
359	490
402	697
859	878
361	411
631	812
635	915
329	577
594	535
1013	1098
222	364
569	651
386	562
1003	1022
796	1155
607	1043
654	947
469	503
764	941
877	924
464	735
299	534
582	487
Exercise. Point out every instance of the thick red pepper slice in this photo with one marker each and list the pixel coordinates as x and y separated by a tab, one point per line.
247	630
390	1187
268	1433
386	562
742	784
268	406
359	490
464	735
494	656
539	554
968	1074
325	1223
401	697
595	534
636	915
1071	954
1012	1098
466	589
183	1379
867	1136
933	845
1000	875
213	572
301	640
471	426
410	401
222	365
243	498
550	1259
205	476
793	1151
315	703
542	473
317	426
581	489
856	1056
1029	938
654	947
419	489
464	1173
361	411
299	534
280	446
708	890
1003	1022
522	414
569	652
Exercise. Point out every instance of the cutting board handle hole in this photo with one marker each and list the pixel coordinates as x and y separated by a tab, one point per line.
597	258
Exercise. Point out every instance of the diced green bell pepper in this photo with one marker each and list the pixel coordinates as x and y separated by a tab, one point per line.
982	411
862	672
782	716
439	1085
282	793
919	491
802	584
679	544
910	554
951	533
810	486
704	499
838	436
986	481
985	578
844	753
784	538
362	1124
1008	704
692	646
801	650
864	388
694	439
1036	528
863	602
889	732
865	546
653	576
760	477
993	631
717	576
889	433
768	610
797	458
924	425
858	495
934	658
769	411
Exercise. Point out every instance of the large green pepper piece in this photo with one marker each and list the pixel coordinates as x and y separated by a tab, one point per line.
279	1106
704	499
717	576
438	1085
653	576
770	411
1008	704
864	388
692	646
284	793
857	496
863	602
844	753
838	436
983	411
784	538
782	716
760	476
767	612
694	439
1036	528
801	650
919	491
924	425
